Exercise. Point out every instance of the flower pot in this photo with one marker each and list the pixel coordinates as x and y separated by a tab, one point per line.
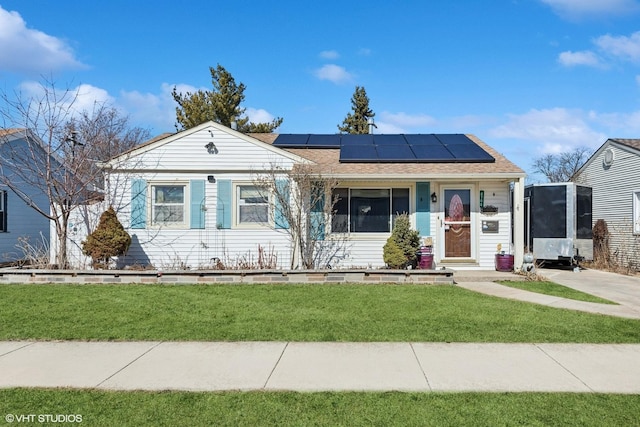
504	262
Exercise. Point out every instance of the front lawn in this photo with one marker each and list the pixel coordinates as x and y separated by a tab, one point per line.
360	313
554	289
104	408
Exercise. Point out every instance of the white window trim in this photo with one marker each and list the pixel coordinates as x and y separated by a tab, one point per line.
636	212
187	196
381	186
236	209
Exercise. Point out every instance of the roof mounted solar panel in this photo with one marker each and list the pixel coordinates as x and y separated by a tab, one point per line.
389	139
422	139
291	140
470	153
454	138
396	153
355	139
323	141
432	153
358	153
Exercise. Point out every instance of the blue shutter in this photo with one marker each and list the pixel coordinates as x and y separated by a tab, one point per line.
138	203
423	208
280	219
223	205
197	203
317	212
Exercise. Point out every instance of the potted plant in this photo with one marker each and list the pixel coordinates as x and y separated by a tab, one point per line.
504	261
489	210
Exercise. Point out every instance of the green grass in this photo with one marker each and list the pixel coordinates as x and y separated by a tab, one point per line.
554	289
359	313
103	408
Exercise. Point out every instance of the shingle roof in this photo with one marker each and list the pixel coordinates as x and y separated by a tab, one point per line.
633	143
329	160
9	131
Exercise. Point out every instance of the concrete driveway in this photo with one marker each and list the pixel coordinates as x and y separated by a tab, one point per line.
625	290
618	288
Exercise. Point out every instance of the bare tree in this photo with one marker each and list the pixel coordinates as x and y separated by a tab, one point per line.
57	154
100	134
561	167
303	204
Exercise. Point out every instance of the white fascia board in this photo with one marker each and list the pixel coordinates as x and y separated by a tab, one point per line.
447	176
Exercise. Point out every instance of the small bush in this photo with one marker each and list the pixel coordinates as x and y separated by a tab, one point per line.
109	239
405	239
393	255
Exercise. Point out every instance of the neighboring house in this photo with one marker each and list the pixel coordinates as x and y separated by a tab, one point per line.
188	199
20	224
613	173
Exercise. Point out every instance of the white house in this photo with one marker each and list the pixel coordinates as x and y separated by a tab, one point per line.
21	225
613	173
188	198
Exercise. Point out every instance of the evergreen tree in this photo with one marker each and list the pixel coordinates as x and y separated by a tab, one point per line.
109	239
402	245
358	121
223	105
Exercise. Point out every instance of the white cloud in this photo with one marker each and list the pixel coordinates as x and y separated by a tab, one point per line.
388	128
404	120
576	9
31	51
258	115
157	110
76	100
329	54
585	57
333	73
619	125
364	51
627	48
551	130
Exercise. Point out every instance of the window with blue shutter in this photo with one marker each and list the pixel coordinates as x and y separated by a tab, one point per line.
197	208
138	203
423	208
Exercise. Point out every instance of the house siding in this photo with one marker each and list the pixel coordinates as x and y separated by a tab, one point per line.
496	194
23	222
189	153
613	189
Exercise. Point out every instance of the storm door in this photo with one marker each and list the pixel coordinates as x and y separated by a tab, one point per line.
457	223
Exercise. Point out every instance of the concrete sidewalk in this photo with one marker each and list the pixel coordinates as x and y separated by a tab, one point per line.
269	366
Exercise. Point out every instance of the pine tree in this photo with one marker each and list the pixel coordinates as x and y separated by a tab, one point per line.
109	239
223	105
358	121
404	241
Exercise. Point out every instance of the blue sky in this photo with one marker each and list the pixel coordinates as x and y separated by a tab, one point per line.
528	77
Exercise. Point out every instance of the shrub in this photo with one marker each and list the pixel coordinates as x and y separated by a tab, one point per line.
601	242
393	255
109	239
405	239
